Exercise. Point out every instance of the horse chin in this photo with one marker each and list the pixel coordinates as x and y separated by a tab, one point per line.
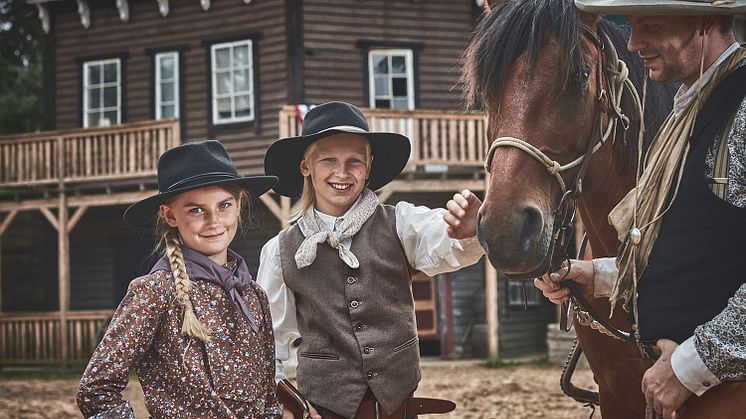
516	258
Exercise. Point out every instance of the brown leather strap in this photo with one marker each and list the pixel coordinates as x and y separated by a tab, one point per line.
411	407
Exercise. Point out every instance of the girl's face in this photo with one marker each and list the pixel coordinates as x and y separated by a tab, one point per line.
339	166
207	220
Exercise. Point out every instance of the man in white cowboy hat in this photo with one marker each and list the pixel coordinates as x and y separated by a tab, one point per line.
679	268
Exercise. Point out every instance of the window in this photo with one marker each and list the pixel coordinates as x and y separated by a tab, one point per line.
520	292
102	93
166	85
232	82
390	74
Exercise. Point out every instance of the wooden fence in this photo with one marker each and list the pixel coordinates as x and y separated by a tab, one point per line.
438	137
92	154
35	339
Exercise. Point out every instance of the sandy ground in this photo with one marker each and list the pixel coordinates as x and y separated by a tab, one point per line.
526	391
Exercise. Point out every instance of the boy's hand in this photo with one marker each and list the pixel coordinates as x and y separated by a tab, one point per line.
462	215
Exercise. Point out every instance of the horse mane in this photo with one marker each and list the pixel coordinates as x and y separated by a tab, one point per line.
514	27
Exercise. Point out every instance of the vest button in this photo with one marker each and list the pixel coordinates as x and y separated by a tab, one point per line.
351	279
359	327
368	350
354	304
372	374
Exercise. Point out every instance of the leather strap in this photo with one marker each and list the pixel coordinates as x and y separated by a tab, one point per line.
413	406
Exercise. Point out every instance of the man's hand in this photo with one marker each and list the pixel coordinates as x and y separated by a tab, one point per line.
661	387
287	414
581	272
462	215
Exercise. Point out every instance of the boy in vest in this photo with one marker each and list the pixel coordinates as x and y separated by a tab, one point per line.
340	275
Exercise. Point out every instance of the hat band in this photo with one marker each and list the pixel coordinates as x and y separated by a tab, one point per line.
346	128
202	176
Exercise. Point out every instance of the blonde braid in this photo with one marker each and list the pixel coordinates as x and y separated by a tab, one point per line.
191	325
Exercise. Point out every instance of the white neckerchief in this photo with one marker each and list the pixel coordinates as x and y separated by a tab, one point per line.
318	229
686	94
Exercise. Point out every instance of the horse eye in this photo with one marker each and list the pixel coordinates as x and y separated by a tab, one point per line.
584	74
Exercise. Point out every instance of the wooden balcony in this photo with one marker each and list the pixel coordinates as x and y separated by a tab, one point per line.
36	338
454	139
85	155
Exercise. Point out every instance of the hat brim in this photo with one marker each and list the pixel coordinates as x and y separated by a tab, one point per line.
143	213
390	156
665	7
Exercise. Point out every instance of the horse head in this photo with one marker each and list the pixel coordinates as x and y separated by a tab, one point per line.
546	74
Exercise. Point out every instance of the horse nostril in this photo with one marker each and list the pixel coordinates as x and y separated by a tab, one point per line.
533	223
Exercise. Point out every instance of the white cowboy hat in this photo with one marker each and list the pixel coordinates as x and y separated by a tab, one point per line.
663	7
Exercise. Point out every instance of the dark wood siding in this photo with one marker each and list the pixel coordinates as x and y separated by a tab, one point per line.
334	64
29	264
188	26
522	332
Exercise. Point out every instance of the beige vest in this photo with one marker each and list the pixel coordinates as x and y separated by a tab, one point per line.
358	325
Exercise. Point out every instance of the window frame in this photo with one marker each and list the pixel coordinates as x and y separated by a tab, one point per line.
409	55
252	92
85	87
158	81
533	298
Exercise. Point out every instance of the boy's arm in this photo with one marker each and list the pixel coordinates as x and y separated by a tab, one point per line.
133	326
424	236
281	303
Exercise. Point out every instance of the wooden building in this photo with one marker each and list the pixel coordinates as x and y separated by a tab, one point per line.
125	80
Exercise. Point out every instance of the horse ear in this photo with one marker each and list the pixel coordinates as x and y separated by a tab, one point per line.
489	4
590	19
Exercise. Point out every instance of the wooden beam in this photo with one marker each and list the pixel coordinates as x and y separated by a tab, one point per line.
6	222
384	195
273	206
492	306
85	200
75	218
50	217
435	185
63	263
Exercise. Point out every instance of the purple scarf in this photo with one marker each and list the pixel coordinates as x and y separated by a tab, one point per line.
235	282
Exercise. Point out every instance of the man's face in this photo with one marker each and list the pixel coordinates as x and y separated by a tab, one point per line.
668	45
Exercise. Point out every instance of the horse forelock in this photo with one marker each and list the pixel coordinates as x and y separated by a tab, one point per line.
512	28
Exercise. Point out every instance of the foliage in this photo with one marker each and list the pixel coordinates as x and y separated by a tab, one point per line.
20	68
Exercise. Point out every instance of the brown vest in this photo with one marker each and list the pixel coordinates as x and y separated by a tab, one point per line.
358	325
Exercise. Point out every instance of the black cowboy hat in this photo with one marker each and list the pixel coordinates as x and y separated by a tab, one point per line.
284	156
192	166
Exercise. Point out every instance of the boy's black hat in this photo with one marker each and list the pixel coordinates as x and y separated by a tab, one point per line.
192	166
390	151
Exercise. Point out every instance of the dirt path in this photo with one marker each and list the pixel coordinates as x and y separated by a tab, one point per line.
519	392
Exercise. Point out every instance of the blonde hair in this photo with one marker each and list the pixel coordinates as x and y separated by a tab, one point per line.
172	243
308	196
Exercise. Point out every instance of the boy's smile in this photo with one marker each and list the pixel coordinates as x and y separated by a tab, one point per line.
339	166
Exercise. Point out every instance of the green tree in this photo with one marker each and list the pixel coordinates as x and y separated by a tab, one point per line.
20	68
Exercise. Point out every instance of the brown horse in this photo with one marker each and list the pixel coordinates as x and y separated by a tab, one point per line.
534	67
538	67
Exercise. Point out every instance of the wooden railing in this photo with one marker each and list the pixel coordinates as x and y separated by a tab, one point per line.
438	137
34	338
93	154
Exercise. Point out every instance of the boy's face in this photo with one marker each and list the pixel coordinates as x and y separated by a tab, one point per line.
339	166
207	219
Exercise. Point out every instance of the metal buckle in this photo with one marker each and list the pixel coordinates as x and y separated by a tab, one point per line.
378	410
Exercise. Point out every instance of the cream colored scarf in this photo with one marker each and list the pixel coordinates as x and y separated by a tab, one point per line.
637	216
316	231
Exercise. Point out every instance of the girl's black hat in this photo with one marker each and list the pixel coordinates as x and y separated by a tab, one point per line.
192	166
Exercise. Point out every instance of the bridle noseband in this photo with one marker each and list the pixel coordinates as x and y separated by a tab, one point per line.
607	102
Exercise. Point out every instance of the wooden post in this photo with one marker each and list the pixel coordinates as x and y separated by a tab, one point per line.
491	301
